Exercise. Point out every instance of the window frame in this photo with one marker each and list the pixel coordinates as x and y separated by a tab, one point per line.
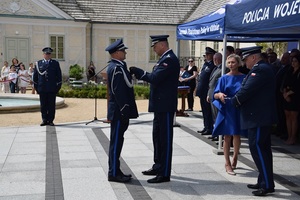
55	47
193	48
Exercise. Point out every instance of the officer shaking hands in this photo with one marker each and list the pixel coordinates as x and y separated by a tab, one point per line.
163	102
47	80
256	99
121	107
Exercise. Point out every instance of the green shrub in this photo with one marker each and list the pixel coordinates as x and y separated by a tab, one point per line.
141	92
76	72
100	91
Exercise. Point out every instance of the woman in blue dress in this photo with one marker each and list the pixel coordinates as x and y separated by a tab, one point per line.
228	119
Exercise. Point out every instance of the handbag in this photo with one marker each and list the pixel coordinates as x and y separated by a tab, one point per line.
186	75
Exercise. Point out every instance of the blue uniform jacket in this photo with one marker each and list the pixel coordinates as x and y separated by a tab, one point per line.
121	94
163	83
47	78
256	98
203	79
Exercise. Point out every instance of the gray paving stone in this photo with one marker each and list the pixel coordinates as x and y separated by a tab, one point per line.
89	155
9	188
81	172
24	197
24	166
18	176
25	158
79	163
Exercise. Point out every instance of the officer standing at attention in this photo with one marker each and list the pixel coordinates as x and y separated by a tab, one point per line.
121	107
202	90
256	99
163	102
47	80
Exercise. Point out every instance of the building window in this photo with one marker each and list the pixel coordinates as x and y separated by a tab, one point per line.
57	44
153	56
193	48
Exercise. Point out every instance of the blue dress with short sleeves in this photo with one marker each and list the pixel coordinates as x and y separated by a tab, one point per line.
228	118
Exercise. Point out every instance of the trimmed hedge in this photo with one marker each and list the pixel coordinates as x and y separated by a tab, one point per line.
90	91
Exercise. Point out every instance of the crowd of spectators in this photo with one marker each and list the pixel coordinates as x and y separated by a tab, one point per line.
16	78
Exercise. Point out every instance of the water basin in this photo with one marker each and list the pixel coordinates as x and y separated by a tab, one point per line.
14	103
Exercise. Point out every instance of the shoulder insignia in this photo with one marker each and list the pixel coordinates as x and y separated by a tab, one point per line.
165	64
168	56
253	74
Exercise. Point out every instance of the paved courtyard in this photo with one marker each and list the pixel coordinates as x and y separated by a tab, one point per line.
69	161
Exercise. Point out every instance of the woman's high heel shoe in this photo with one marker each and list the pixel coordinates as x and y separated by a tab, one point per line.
229	170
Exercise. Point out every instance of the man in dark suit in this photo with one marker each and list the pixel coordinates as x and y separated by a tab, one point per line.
47	80
121	107
256	99
213	80
202	89
163	102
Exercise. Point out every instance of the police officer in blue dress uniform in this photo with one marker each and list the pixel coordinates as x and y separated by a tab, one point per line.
121	107
256	99
202	89
47	80
163	102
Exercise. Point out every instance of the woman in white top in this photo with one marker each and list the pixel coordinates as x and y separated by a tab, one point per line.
4	76
23	78
30	73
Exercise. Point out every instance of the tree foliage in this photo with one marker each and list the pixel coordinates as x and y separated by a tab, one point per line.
76	72
278	47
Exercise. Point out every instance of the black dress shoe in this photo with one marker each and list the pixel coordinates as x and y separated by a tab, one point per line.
214	139
159	179
262	192
206	133
119	178
253	186
150	172
44	124
51	124
202	131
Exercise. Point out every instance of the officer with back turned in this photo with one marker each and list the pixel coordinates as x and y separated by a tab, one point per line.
47	80
121	107
163	102
256	99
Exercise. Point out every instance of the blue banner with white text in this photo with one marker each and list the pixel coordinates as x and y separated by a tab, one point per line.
267	18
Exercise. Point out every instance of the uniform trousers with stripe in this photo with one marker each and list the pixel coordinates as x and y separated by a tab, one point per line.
206	113
260	148
47	101
163	142
117	130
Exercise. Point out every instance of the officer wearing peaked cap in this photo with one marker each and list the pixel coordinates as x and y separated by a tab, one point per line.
256	99
163	102
118	45
209	50
202	90
250	50
158	38
47	80
121	107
